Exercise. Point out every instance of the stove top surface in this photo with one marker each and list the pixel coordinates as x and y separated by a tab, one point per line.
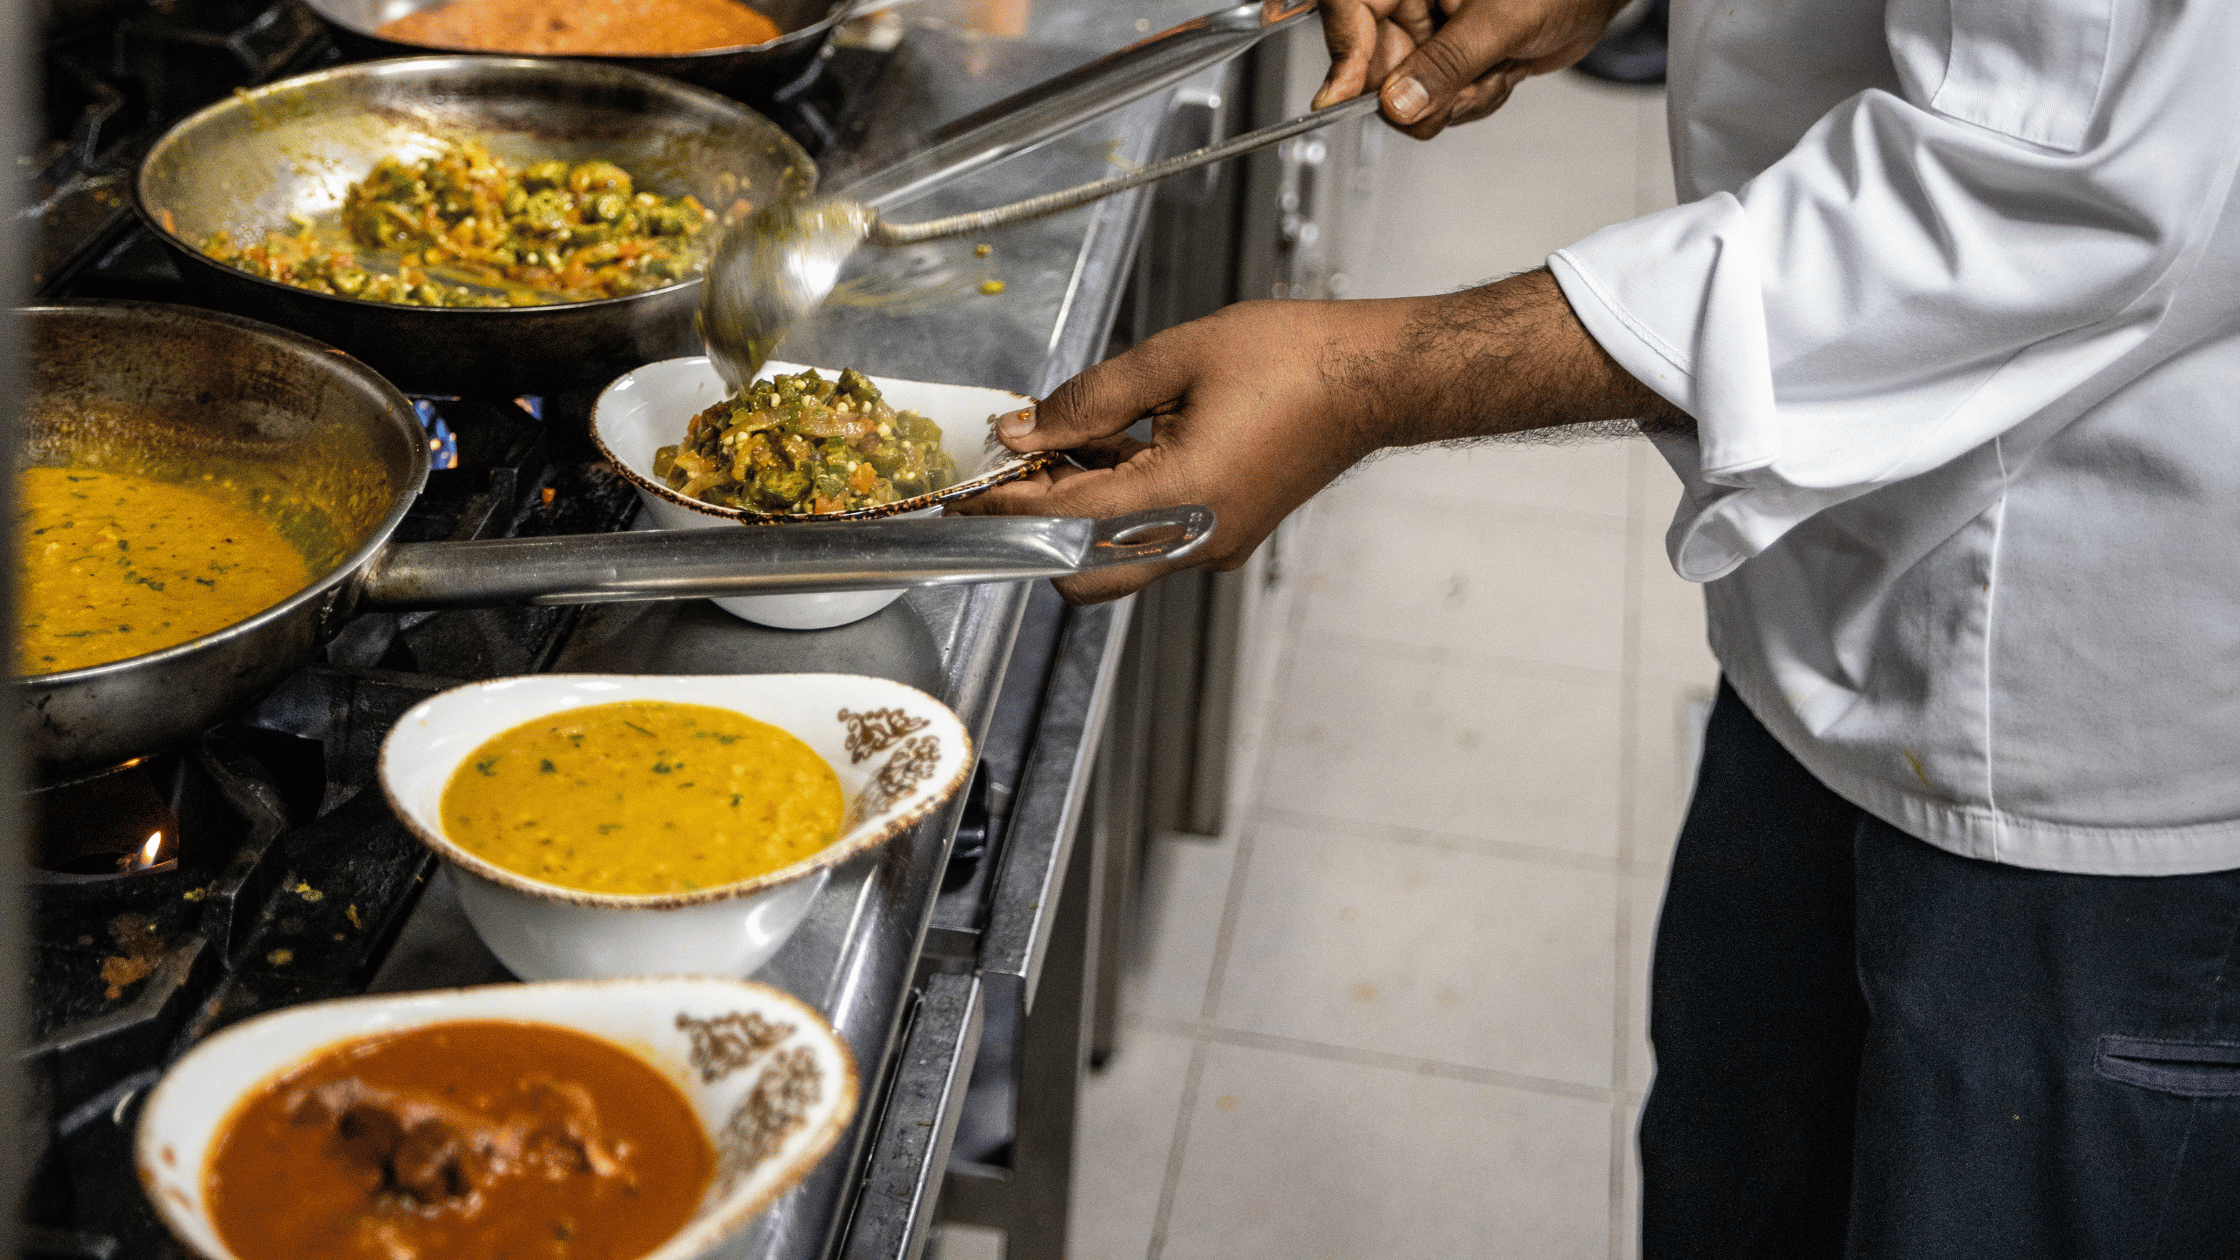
257	867
281	875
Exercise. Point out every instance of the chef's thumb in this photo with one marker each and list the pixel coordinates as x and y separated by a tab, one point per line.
1100	402
1423	88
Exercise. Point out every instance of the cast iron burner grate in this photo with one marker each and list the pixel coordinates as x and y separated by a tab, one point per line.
291	876
116	79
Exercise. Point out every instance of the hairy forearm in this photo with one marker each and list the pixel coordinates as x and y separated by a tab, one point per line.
1258	406
1501	358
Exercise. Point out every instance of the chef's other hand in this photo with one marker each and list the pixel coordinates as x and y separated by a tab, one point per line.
1256	407
1251	414
1438	62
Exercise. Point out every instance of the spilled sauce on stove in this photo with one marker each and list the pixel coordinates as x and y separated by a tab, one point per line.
473	1139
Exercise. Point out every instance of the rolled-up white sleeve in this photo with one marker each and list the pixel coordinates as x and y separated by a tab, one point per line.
1928	267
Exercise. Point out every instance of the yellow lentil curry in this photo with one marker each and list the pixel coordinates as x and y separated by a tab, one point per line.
115	565
642	797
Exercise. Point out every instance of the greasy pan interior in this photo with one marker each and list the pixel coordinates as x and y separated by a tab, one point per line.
331	452
246	163
181	395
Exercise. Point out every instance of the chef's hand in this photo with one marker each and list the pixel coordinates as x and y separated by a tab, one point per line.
1252	411
1258	406
1451	61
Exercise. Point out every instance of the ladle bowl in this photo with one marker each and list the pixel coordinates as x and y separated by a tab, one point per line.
781	265
776	269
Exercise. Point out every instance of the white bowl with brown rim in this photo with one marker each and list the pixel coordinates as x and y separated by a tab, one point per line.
649	408
897	751
769	1081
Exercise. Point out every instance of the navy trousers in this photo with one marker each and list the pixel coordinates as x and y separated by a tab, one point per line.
1870	1048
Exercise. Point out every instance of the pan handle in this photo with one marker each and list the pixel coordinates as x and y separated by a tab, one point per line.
1154	534
982	221
770	560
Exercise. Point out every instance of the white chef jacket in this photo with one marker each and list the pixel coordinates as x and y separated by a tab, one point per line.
1954	299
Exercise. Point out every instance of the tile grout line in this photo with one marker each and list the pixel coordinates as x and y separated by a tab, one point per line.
1621	1138
1171	1182
1465	509
1215	1034
1629	786
1418	837
1246	824
1493	663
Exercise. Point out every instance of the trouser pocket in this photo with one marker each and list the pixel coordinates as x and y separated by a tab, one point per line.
2193	1069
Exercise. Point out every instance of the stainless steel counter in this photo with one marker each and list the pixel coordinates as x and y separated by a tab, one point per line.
916	314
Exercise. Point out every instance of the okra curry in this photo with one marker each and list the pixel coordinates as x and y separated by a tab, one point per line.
642	797
464	228
801	444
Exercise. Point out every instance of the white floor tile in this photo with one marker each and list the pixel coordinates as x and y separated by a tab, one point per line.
1563	158
1672	640
1455	748
1307	1159
1667	734
1125	1135
1647	894
1533	589
1184	892
1405	949
1629	1203
1434	867
964	1242
1583	479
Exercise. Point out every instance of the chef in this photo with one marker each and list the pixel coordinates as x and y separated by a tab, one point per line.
1943	343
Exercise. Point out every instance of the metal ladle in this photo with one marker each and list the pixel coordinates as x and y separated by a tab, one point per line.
776	268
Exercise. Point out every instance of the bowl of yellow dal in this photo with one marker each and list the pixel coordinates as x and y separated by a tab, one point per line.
601	825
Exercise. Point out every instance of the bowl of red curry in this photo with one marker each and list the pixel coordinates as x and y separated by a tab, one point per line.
644	1118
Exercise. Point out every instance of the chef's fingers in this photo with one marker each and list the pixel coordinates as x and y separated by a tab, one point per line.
1143	482
1393	47
1108	492
1418	20
995	500
1484	97
1366	40
1349	27
1104	400
1102	453
1420	95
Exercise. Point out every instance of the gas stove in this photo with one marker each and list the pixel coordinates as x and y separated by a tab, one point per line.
118	74
258	866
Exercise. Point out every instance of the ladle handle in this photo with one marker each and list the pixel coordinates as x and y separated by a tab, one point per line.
1055	106
771	559
885	233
